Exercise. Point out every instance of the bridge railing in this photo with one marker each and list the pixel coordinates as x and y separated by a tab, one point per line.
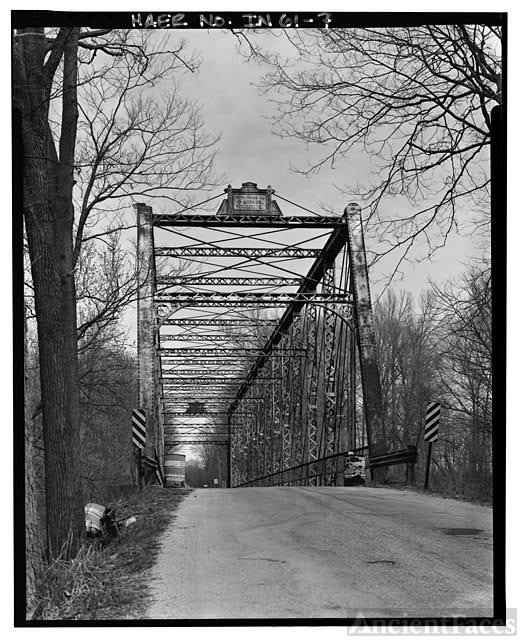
406	456
313	472
395	457
317	472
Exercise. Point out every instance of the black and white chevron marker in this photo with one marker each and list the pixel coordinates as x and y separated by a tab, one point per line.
431	424
138	428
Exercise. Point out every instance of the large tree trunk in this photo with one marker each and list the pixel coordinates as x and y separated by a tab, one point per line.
48	214
33	542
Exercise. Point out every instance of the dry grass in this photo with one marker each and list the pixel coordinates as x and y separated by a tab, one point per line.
433	491
109	582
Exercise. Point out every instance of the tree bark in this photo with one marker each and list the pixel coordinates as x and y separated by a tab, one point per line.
33	543
48	213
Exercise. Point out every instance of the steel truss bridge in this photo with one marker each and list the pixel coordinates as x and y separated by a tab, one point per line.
255	333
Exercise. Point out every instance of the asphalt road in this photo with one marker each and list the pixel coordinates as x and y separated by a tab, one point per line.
323	552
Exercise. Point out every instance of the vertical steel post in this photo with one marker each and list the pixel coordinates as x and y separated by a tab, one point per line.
267	419
352	393
295	396
330	405
343	395
306	371
427	468
145	327
235	452
312	397
240	457
260	417
229	478
293	411
276	385
249	446
159	400
254	443
365	331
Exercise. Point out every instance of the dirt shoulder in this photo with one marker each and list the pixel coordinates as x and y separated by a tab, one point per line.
447	495
110	582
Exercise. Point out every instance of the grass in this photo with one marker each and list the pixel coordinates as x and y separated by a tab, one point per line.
434	491
109	582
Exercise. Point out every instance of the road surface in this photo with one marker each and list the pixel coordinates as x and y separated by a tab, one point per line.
321	552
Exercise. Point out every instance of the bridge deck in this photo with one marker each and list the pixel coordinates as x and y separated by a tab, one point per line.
311	552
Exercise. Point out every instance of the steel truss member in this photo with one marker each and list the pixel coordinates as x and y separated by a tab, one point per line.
277	339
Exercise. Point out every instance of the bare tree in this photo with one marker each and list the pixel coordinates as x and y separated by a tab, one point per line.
415	101
194	473
409	365
49	218
33	543
465	344
441	351
107	282
214	459
108	391
124	143
138	137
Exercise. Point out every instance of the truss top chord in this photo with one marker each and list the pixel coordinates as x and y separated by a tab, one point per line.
218	322
224	298
206	281
236	252
202	352
246	220
211	337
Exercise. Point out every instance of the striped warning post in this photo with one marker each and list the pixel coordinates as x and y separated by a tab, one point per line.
138	428
431	424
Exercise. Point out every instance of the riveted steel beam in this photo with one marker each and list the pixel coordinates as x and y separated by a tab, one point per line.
238	252
206	414
365	331
217	352
218	322
184	443
333	246
189	382
247	221
184	397
186	433
179	366
181	373
290	393
146	347
328	433
206	281
209	337
246	298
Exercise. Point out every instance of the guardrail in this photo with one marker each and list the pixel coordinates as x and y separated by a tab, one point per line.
313	469
406	456
395	457
323	467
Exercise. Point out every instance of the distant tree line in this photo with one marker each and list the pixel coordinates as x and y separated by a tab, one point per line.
441	351
208	465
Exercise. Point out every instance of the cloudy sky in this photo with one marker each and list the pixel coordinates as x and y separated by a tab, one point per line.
249	150
235	108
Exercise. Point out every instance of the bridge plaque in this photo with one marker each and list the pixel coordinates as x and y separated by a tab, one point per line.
249	200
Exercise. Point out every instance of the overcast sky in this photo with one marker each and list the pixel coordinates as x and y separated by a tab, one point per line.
249	150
